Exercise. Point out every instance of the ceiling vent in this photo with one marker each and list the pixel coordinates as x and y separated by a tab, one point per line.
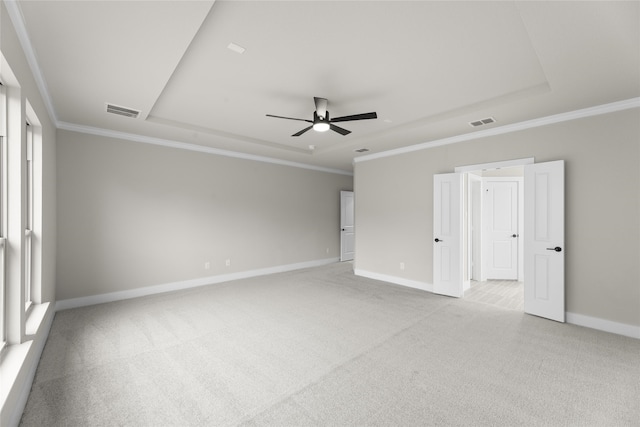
122	111
237	49
482	122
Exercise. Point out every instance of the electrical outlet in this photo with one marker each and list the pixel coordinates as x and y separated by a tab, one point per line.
228	263
207	265
402	266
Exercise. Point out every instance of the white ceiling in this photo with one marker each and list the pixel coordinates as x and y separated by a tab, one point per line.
427	68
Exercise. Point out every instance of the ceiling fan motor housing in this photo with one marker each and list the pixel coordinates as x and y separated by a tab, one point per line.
317	118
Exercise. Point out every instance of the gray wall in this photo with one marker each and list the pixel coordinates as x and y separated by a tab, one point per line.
132	215
394	206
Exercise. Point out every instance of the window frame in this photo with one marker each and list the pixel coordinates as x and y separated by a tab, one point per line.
3	216
28	232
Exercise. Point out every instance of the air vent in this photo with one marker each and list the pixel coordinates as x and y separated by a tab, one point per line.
122	111
482	122
361	150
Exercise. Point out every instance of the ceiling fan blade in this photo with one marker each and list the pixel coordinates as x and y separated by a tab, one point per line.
321	106
289	118
340	130
302	131
364	116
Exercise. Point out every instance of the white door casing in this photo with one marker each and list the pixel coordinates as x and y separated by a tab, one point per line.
447	234
544	240
501	233
475	226
347	229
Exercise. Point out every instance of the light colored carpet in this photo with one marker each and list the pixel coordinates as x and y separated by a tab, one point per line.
322	347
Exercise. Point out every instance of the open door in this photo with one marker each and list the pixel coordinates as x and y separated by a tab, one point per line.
347	232
544	240
447	234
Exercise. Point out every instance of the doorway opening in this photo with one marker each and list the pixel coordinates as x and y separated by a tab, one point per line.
542	233
493	208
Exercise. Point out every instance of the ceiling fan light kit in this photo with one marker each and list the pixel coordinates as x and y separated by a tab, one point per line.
321	121
321	126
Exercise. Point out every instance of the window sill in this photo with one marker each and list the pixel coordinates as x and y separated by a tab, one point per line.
35	316
13	359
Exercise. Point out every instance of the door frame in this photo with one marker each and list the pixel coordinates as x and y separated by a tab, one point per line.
497	165
521	162
474	229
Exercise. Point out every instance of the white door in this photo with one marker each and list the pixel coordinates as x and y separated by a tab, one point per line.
347	231
501	228
544	240
447	234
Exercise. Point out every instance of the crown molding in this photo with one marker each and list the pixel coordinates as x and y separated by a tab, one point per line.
515	127
192	147
15	14
17	19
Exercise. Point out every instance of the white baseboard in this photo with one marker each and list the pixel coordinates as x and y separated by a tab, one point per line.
395	280
603	325
186	284
573	318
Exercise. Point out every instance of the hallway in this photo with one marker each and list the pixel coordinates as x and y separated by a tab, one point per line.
501	293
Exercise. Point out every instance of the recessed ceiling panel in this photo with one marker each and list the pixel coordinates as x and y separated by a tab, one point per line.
427	68
406	60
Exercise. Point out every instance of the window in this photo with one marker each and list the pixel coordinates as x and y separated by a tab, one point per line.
28	234
3	215
20	218
24	316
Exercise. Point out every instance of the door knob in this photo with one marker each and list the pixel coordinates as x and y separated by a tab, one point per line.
557	249
514	235
438	240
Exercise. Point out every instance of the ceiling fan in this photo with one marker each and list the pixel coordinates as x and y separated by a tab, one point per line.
321	121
